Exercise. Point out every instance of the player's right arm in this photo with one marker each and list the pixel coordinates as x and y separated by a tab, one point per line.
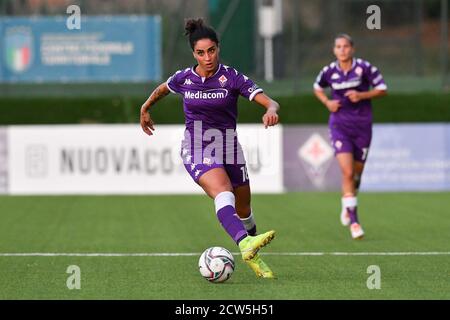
146	121
319	86
332	105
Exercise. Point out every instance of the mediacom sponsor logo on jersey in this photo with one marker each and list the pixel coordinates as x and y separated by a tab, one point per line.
207	94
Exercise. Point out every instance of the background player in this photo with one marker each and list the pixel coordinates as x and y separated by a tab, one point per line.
210	92
350	120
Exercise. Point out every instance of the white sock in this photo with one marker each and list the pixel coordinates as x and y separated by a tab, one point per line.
249	222
223	199
348	202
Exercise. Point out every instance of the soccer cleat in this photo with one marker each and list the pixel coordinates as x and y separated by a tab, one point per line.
250	245
261	269
345	218
356	231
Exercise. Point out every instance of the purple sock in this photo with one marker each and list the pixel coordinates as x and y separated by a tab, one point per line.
231	223
353	214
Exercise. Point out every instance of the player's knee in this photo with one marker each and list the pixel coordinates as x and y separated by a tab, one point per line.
216	189
347	174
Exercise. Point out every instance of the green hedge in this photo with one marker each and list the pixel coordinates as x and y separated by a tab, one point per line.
305	109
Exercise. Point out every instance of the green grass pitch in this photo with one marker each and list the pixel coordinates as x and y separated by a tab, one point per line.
304	222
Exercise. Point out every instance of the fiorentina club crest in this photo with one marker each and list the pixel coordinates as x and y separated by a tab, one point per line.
359	71
18	48
316	155
223	80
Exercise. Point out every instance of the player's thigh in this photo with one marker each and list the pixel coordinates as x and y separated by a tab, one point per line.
243	199
341	140
215	181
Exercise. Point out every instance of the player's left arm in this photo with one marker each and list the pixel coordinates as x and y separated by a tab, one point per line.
356	96
270	118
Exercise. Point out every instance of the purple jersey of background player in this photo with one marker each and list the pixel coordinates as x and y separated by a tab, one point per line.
212	100
361	76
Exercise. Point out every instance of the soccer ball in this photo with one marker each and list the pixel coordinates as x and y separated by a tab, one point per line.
216	264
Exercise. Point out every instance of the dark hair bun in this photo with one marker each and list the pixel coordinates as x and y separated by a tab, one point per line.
192	25
197	30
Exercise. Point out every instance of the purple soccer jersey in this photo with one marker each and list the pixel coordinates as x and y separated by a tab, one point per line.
212	100
210	108
351	126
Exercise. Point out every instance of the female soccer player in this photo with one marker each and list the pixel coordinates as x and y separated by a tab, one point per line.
350	120
210	92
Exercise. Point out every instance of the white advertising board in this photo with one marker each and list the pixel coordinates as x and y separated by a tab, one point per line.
121	159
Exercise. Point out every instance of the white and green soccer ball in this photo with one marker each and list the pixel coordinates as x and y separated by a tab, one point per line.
216	264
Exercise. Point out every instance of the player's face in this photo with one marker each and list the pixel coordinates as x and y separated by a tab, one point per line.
343	50
206	52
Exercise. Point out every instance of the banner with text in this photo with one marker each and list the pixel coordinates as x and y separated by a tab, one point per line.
408	157
402	157
105	49
121	159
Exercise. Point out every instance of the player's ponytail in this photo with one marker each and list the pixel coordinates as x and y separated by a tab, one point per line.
197	30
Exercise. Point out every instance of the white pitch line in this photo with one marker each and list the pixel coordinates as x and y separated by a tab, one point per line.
189	254
50	254
358	253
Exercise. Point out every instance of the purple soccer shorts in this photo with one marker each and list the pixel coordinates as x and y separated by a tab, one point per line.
235	168
354	140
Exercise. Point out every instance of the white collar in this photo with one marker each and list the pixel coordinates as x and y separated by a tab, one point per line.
353	65
204	78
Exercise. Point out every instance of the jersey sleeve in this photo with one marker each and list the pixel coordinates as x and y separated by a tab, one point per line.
246	87
321	81
174	82
375	78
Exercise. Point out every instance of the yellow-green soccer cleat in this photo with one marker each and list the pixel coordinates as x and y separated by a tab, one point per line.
261	269
251	245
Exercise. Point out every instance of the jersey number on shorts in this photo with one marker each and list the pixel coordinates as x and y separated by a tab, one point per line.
244	173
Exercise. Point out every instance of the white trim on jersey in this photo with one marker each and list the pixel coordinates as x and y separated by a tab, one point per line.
377	80
203	78
381	86
167	84
318	87
339	68
254	93
192	70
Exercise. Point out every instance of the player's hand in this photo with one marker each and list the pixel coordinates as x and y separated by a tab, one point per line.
353	95
270	118
333	105
146	122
